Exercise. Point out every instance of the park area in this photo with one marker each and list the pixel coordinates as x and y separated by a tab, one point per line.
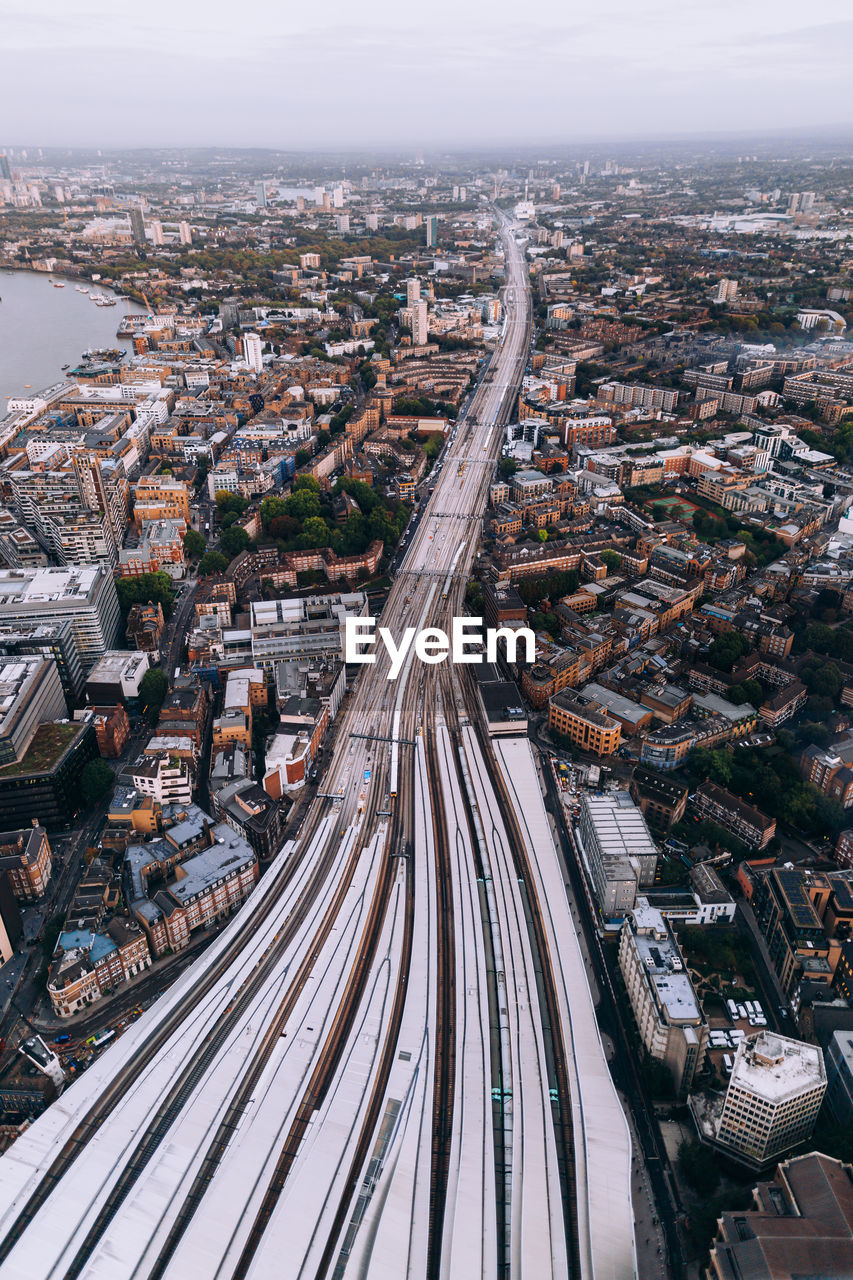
681	508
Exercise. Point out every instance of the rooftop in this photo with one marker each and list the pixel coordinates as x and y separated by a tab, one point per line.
774	1067
50	742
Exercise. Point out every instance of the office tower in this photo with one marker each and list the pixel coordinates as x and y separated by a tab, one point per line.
87	595
775	1092
137	226
338	197
431	224
261	194
252	352
420	328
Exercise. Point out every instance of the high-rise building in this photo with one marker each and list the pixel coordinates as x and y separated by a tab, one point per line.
371	221
413	290
342	223
253	351
5	167
431	226
775	1092
261	195
185	235
338	198
420	325
670	1020
87	595
137	226
156	233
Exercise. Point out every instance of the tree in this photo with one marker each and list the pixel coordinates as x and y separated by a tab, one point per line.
507	467
95	780
542	535
235	540
212	562
301	457
153	688
271	508
154	587
726	649
194	543
231	501
612	559
699	1167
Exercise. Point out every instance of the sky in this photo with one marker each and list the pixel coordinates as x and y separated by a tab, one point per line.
419	73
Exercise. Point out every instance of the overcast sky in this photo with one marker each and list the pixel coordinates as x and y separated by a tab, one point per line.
416	73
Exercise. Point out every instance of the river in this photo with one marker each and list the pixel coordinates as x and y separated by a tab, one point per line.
43	328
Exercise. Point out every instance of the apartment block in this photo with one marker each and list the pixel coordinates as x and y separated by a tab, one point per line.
669	1018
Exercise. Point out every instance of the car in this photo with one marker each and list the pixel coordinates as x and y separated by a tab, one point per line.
63	1038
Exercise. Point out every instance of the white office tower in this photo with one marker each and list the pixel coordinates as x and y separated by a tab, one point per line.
774	1094
252	352
413	290
420	328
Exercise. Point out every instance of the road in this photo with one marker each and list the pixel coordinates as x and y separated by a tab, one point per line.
387	1063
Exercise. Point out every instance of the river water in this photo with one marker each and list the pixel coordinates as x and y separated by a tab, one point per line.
43	328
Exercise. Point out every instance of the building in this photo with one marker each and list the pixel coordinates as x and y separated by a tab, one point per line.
253	352
53	641
310	627
420	323
112	729
839	1078
87	965
774	1094
431	230
584	723
166	778
116	677
30	694
84	595
801	1225
747	823
619	851
669	1018
25	857
45	782
798	911
145	626
198	875
248	809
661	801
137	227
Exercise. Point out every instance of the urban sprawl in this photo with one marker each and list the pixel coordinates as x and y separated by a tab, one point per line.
194	522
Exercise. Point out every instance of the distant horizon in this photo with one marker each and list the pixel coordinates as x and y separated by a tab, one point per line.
803	136
447	74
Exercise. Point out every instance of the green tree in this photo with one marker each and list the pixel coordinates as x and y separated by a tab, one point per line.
301	457
271	507
507	467
212	562
153	587
612	559
230	501
95	780
153	688
235	540
194	543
